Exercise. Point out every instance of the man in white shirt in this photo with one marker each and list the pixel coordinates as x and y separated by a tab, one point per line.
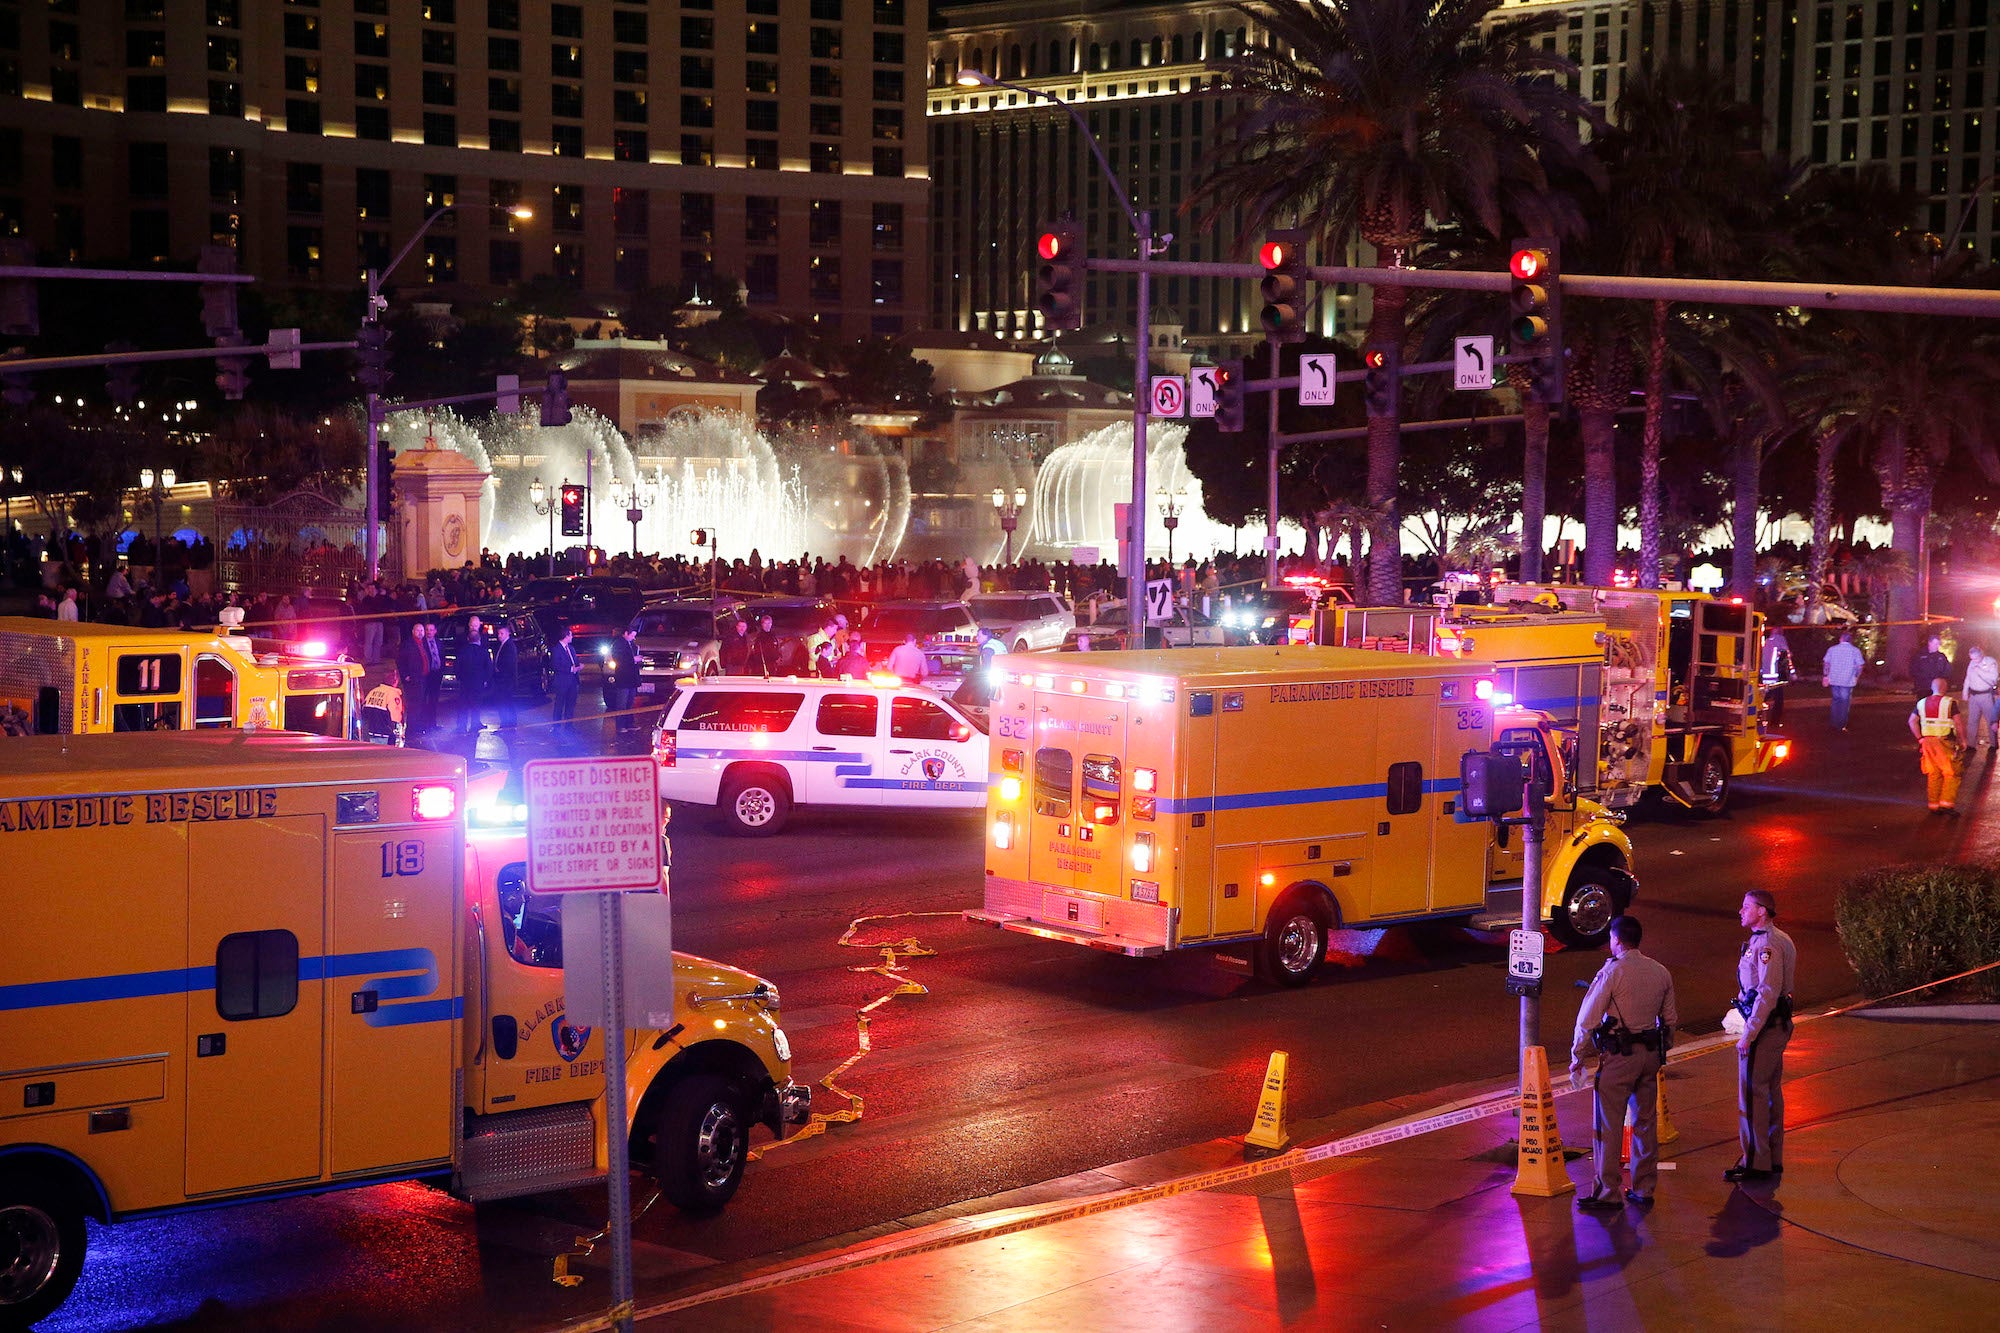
120	587
907	660
1840	672
1982	720
68	609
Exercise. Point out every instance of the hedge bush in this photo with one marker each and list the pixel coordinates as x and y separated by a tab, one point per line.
1905	926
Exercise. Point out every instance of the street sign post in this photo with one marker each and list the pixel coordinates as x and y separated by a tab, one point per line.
1159	601
594	827
1525	952
1201	391
1316	383
1169	396
1472	363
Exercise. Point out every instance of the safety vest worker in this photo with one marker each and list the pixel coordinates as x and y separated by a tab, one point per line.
1939	727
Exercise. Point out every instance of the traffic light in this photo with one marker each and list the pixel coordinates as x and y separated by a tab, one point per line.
1059	279
1382	380
555	410
1229	395
232	373
1492	784
699	537
121	378
385	478
371	359
1536	330
1283	256
572	510
218	299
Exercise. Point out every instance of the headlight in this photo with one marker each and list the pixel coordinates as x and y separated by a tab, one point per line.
781	1044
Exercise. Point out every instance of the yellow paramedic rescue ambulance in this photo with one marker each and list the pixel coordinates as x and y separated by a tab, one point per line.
241	965
78	677
1662	687
1147	801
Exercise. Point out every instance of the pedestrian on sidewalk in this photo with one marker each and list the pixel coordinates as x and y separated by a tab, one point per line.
1764	972
1982	678
1939	726
1628	1018
1840	672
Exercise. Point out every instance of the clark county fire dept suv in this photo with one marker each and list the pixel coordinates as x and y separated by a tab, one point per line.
250	964
1147	801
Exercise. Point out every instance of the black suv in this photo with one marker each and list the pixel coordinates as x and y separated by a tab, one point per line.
531	647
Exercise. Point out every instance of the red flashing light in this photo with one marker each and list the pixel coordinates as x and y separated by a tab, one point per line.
1483	689
1528	265
1274	254
1050	246
434	803
572	495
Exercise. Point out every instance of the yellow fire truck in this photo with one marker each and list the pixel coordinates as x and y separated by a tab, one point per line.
1147	801
250	964
69	676
1661	686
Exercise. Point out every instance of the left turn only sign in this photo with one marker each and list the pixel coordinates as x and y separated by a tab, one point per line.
1169	396
593	825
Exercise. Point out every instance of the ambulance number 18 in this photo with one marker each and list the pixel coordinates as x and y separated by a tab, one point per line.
402	858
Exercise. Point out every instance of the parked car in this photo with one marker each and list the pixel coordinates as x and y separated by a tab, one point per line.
598	610
932	622
756	748
801	618
679	638
1022	620
550	591
530	646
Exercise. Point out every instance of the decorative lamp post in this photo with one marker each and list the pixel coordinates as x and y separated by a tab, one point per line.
635	499
1170	518
157	484
1010	516
546	505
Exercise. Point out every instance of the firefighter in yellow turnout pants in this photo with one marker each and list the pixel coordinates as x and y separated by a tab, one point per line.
1939	726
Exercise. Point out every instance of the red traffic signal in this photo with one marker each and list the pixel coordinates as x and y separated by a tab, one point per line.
1374	358
1059	276
1529	264
1052	245
1275	254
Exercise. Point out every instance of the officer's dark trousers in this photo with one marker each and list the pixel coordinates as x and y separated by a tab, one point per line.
1627	1080
1760	1098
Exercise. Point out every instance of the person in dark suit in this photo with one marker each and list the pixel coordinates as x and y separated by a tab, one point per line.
567	672
413	667
621	681
475	675
434	679
506	676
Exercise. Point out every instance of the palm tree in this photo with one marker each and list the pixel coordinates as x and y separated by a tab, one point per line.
1377	119
1685	167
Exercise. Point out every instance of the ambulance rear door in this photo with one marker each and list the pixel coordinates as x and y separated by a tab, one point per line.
1723	690
1459	866
1077	777
256	900
1405	810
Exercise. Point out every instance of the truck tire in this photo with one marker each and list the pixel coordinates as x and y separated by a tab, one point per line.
41	1245
1582	920
1711	781
1294	943
702	1140
756	804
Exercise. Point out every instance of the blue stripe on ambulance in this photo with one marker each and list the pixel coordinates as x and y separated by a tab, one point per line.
914	784
1257	800
194	980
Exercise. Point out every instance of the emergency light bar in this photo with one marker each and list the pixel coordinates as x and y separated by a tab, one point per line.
433	803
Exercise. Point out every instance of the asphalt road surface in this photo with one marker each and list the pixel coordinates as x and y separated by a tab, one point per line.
1026	1060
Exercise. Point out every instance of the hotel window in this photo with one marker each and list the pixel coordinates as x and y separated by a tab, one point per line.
760	76
761	38
305	184
628	145
568	256
440	130
697	34
630	210
760	276
440	191
697	71
302	74
302	252
630	270
503	95
371	194
825	158
503	262
371	83
760	220
440	47
628	66
824	43
566	20
824	272
565	62
698	217
697	150
371	122
825	81
697	112
567	214
629	105
503	53
503	136
440	87
301	31
504	15
628	26
302	117
823	227
566	100
371	40
760	154
440	258
566	140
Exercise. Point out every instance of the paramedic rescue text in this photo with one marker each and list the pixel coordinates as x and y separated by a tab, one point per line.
177	807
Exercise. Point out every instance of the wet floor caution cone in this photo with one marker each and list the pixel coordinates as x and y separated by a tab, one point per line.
1267	1130
1540	1173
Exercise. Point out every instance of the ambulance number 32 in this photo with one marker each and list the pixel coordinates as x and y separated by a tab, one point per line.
402	858
1472	719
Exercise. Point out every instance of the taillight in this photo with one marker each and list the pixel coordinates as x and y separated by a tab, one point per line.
435	802
1013	760
1003	831
666	749
1010	788
1144	779
1142	807
1780	750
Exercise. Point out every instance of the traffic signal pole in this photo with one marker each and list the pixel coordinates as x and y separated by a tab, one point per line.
1135	578
1271	479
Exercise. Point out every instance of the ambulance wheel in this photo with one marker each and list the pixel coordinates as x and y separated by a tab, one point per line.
1711	780
1021	646
756	804
1582	920
1294	943
702	1140
41	1246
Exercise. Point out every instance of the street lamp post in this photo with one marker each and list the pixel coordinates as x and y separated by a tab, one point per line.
1170	518
635	499
372	314
157	484
546	505
1010	516
1142	228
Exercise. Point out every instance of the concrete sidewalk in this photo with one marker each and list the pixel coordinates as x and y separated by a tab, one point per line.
1888	1211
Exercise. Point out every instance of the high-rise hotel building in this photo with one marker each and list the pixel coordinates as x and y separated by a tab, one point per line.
1909	84
775	142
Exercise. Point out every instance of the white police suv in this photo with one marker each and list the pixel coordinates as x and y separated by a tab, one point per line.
756	747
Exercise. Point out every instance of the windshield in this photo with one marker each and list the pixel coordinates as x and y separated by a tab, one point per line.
686	622
1005	608
789	619
322	714
610	604
919	620
547	590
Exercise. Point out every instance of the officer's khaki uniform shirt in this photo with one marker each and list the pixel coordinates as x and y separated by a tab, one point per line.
1634	989
1765	973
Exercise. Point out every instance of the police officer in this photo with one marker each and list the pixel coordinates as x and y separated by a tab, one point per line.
1764	997
1628	1018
